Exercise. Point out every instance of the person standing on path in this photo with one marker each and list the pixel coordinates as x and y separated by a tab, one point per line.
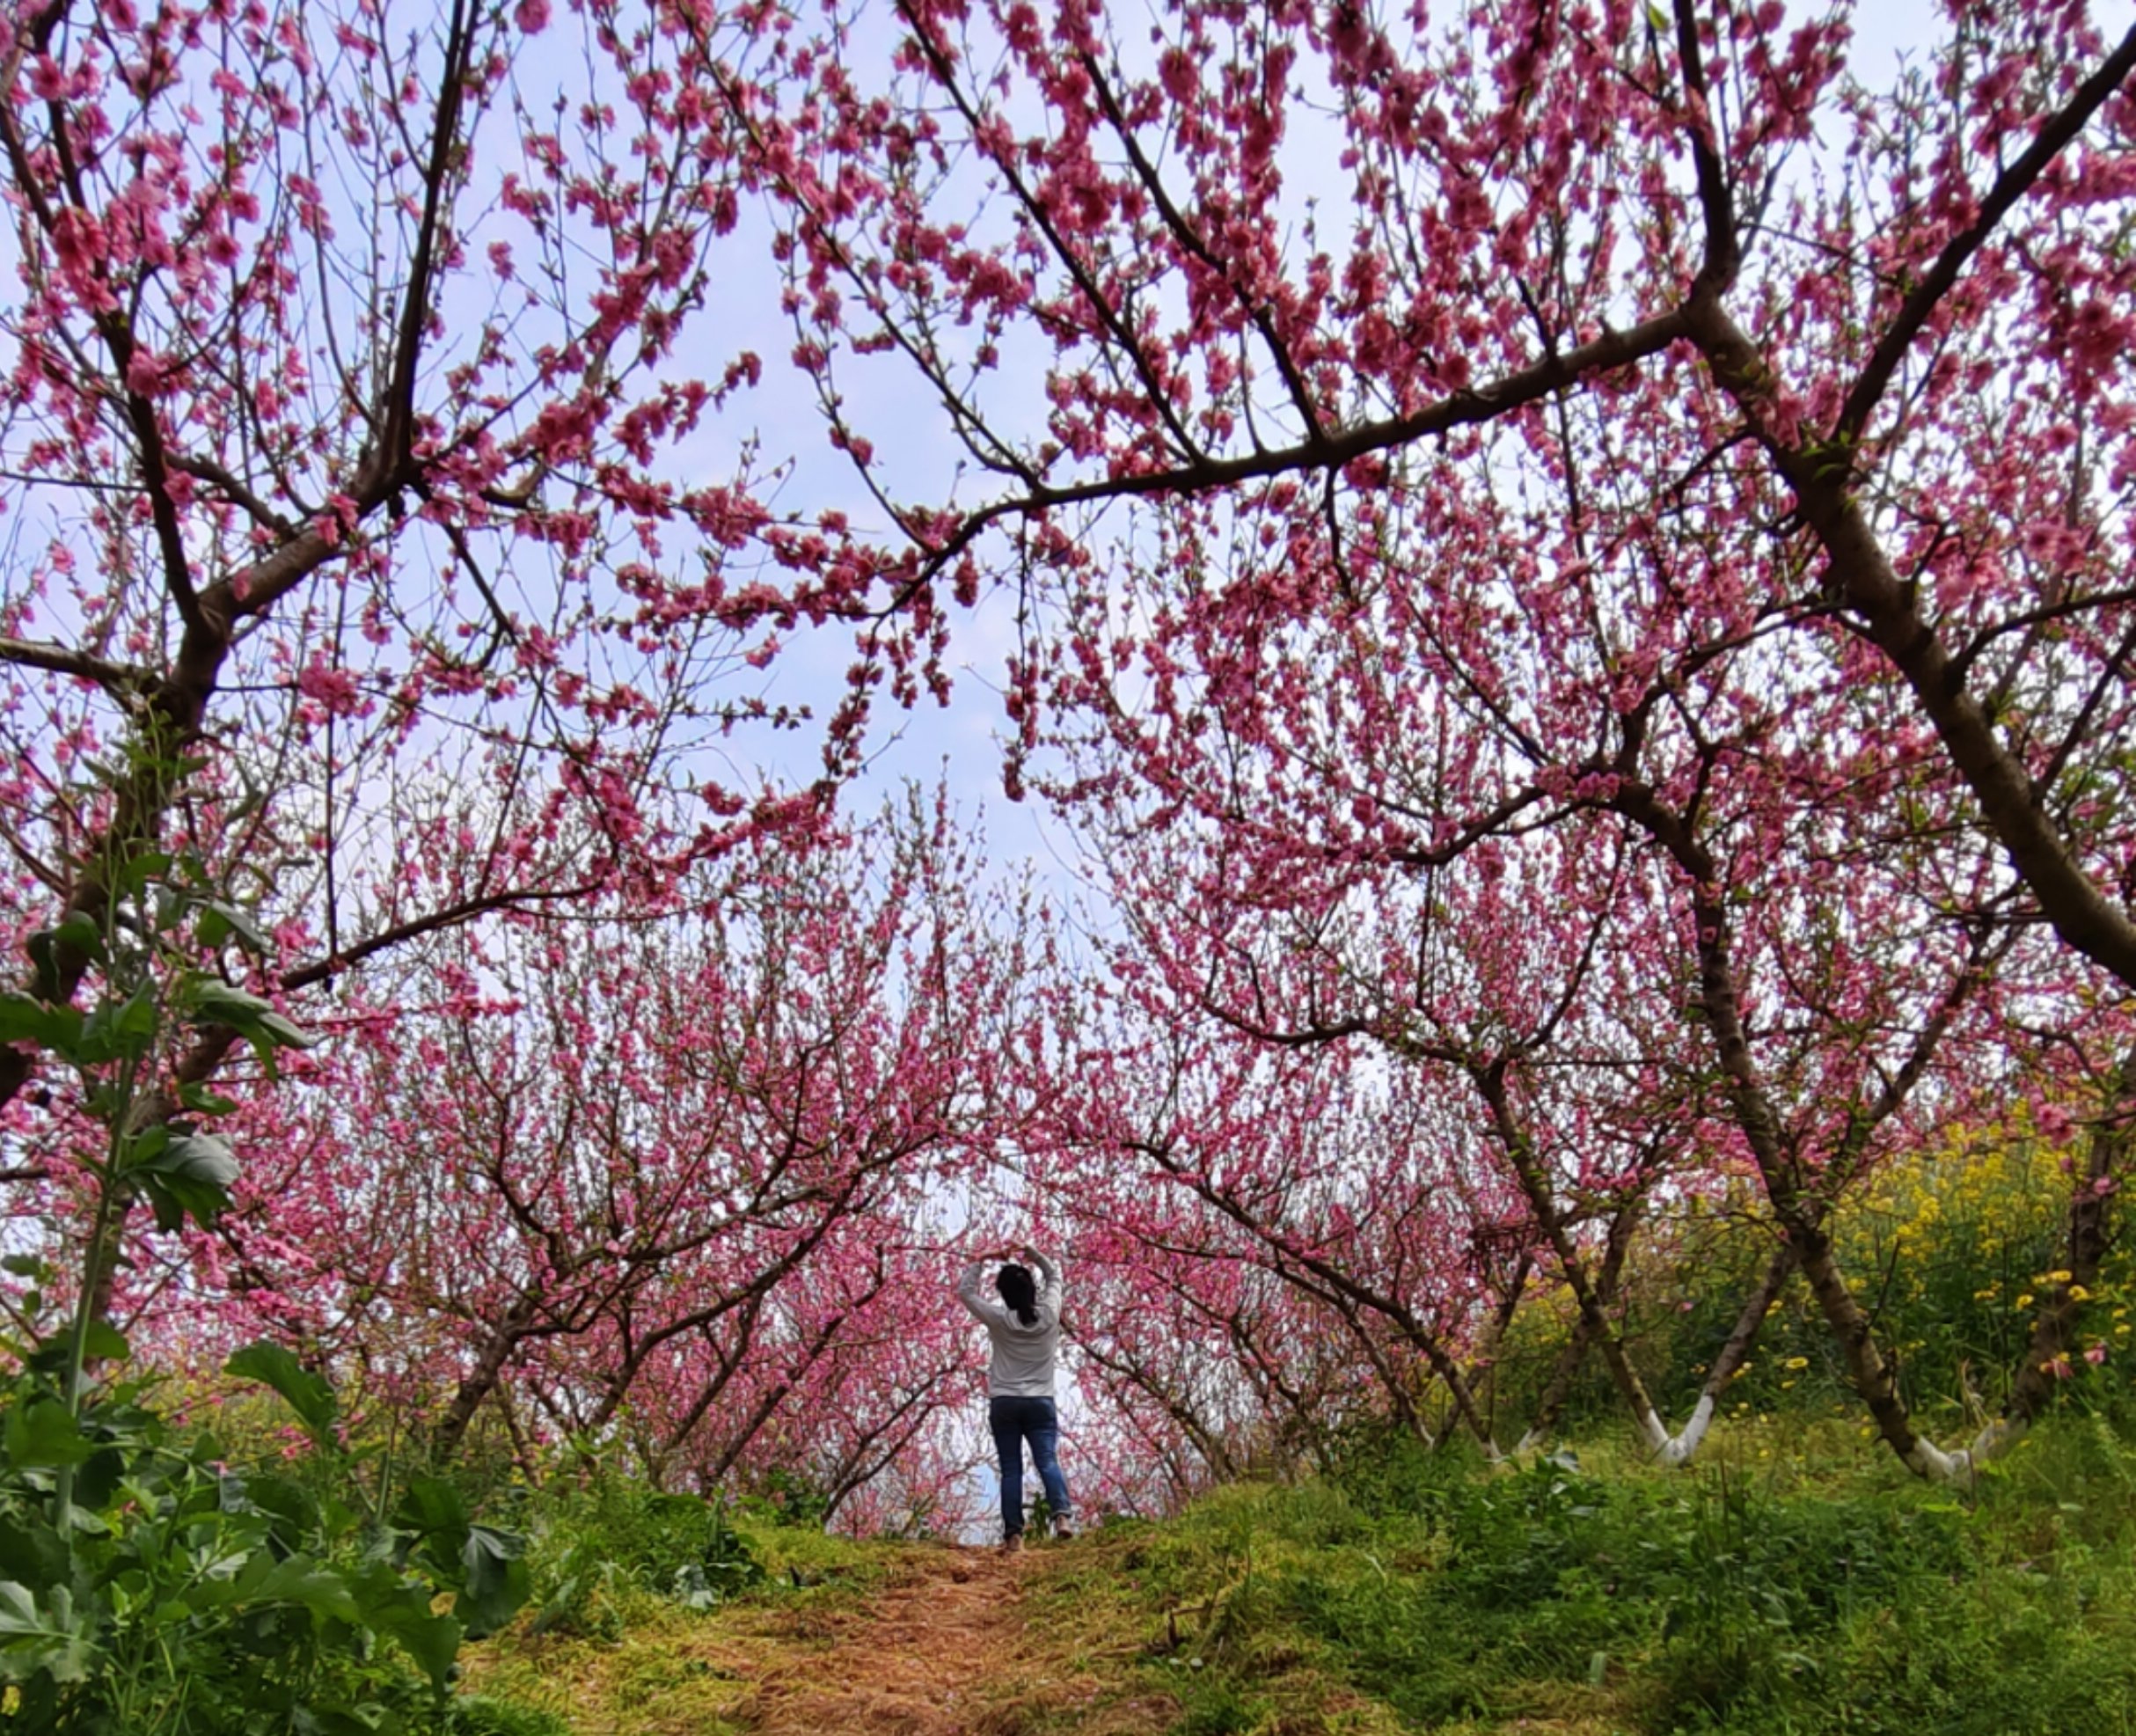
1024	1325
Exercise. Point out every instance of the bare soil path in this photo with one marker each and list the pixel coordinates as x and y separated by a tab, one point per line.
950	1648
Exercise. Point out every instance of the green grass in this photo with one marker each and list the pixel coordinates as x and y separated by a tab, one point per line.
1793	1580
609	1647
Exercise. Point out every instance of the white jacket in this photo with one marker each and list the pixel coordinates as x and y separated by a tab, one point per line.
1023	1355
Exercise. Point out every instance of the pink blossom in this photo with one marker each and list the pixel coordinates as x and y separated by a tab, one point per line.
333	688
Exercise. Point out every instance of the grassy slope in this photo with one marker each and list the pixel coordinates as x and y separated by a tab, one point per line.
1790	1582
630	1660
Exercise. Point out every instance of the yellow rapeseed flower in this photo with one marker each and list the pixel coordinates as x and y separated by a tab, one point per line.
2023	1301
1796	1362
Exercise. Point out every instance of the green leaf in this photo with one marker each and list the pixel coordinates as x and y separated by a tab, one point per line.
126	1028
138	1016
22	1020
24	1265
105	1342
171	907
169	1209
31	1553
366	1719
286	1034
214	1002
401	1609
51	1638
294	1518
217	1002
77	933
433	1509
203	1101
308	1394
80	933
220	921
318	1589
138	870
191	1177
51	1355
25	1020
97	1480
496	1583
41	1432
432	1641
144	1146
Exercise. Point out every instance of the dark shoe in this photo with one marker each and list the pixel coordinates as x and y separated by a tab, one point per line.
1064	1530
1012	1545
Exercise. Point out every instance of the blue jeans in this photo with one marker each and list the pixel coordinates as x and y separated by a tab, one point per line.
1014	1421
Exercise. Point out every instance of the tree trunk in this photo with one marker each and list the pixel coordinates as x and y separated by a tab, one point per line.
480	1380
1597	1295
1485	1353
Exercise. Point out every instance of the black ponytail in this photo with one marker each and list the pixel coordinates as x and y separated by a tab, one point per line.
1019	1293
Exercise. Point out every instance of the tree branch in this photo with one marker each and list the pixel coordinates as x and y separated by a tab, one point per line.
2010	186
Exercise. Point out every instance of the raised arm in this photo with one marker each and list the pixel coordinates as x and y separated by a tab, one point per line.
973	1297
1049	1280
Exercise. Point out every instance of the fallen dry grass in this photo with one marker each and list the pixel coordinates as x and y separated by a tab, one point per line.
945	1650
945	1646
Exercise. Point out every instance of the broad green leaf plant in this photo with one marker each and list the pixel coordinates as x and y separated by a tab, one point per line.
146	1584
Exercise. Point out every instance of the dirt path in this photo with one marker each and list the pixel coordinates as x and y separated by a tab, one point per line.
948	1650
